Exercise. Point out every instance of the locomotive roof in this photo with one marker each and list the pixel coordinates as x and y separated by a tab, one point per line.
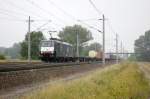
59	42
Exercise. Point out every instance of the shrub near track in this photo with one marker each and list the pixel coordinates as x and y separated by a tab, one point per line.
123	81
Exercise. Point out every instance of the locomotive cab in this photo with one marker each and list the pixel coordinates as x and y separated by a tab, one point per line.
47	48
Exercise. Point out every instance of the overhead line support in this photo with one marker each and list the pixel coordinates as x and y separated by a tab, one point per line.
29	39
117	57
103	59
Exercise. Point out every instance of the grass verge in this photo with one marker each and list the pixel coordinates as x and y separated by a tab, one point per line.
124	81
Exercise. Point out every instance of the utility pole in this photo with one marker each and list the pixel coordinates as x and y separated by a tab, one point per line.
29	41
77	46
103	60
117	48
121	50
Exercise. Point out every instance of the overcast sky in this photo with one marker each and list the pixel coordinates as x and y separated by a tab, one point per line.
128	18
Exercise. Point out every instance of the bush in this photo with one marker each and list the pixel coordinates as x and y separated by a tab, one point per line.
2	57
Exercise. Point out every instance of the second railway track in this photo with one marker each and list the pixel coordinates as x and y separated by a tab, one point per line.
8	67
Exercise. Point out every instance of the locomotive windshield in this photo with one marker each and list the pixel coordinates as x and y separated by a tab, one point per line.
47	43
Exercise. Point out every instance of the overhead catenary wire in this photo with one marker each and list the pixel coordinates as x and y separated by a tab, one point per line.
115	34
7	12
25	12
117	41
28	12
100	13
72	17
44	10
10	19
13	12
110	27
90	26
90	19
43	25
97	10
10	15
103	31
63	11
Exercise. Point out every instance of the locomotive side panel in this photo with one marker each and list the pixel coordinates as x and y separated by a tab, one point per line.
63	50
57	49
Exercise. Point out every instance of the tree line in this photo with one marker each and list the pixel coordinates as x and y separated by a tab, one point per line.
68	34
142	47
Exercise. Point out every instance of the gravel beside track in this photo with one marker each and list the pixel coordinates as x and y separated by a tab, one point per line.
18	79
8	67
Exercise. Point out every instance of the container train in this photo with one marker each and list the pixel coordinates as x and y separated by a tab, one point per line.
54	50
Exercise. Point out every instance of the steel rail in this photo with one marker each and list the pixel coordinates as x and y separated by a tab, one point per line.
21	67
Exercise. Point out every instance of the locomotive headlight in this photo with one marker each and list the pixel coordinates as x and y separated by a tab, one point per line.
47	49
51	49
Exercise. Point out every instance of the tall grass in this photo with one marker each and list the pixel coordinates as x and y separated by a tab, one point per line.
123	81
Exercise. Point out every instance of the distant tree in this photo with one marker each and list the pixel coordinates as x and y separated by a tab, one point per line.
14	51
2	57
36	37
132	57
94	46
69	34
2	50
142	47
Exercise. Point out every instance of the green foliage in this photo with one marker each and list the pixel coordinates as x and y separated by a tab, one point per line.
14	51
2	50
142	47
132	58
94	46
36	37
69	34
2	57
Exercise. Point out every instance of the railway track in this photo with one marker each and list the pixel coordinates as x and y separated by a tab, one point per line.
8	67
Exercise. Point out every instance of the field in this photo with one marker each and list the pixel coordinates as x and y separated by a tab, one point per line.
124	81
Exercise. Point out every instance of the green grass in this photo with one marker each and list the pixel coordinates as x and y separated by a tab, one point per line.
123	81
17	61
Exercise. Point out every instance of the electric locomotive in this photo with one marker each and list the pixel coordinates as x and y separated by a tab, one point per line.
55	50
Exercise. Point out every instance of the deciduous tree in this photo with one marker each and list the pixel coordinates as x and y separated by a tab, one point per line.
142	47
69	34
36	37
